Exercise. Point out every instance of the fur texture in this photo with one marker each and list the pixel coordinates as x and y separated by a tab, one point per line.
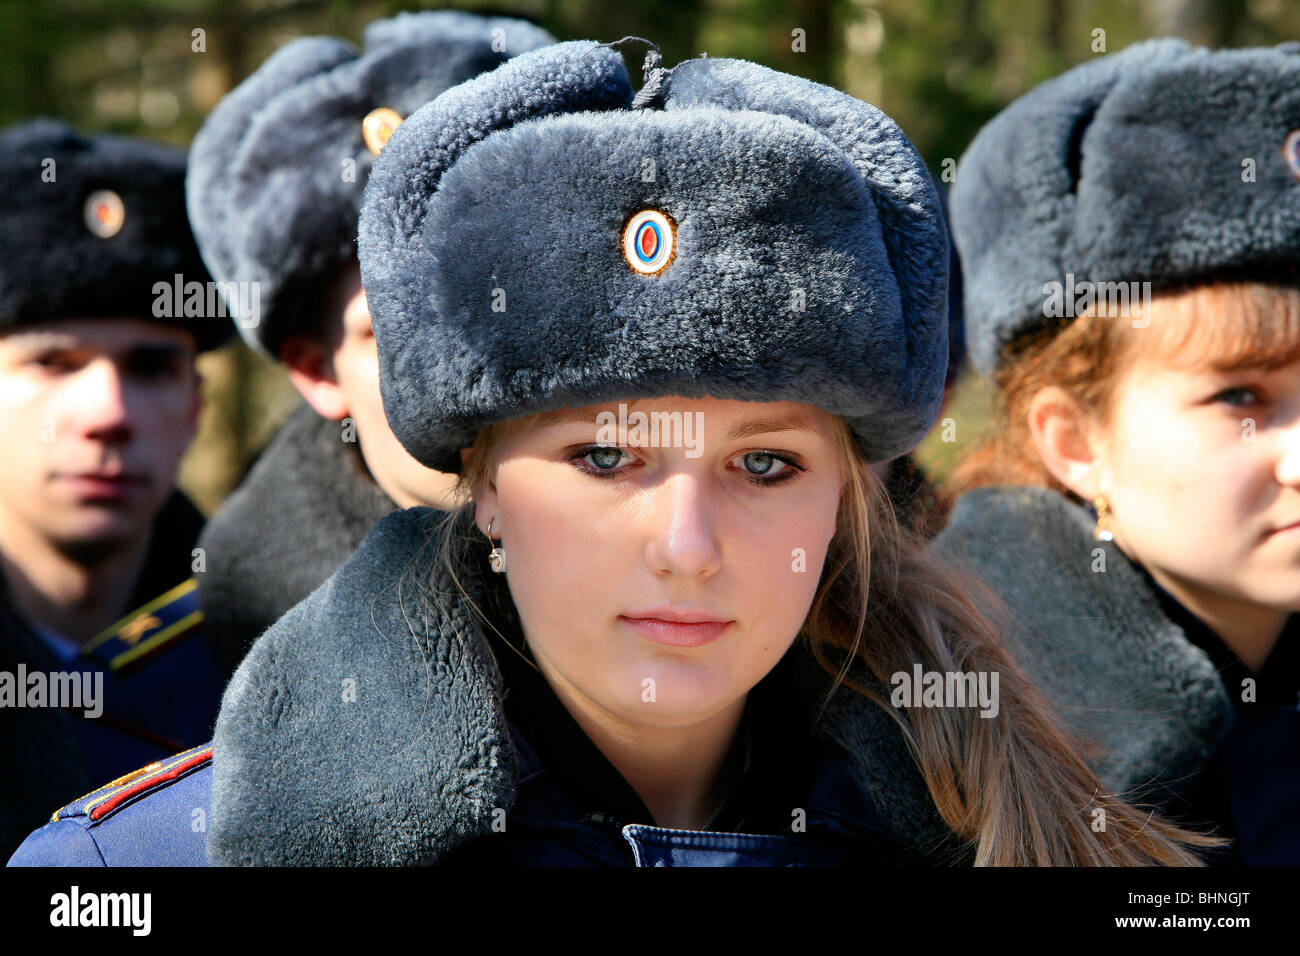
810	261
52	266
416	763
278	168
1097	643
305	506
1129	168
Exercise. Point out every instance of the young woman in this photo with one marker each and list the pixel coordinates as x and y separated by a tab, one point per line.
1142	508
661	337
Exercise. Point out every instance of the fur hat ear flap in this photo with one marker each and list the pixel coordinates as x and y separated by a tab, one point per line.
563	78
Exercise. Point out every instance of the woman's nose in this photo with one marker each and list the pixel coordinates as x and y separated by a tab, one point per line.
682	539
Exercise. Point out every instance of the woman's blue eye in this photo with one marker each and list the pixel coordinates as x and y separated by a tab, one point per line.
599	461
768	468
604	458
759	467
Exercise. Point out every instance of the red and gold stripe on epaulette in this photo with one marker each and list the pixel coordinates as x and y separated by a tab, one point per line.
149	629
138	781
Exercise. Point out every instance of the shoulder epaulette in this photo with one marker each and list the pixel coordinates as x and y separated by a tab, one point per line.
101	802
148	630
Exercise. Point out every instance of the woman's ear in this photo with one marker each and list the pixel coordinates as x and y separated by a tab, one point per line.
1067	441
485	499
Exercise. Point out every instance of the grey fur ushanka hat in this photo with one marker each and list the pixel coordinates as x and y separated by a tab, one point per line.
534	239
1163	163
278	169
91	225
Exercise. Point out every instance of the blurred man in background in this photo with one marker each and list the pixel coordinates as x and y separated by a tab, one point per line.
99	399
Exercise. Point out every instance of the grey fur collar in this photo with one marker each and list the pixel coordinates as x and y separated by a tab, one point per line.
304	508
367	728
1120	672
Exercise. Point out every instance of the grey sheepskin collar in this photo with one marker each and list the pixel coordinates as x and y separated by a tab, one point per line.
305	506
1097	642
367	728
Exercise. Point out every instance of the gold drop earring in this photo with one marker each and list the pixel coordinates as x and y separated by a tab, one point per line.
1101	532
497	556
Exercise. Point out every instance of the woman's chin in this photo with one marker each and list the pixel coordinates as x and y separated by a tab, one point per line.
670	693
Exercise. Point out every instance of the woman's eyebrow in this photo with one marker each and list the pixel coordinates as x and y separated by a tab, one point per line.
797	422
794	422
570	418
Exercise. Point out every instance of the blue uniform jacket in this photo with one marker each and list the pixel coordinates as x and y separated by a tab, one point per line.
370	726
159	687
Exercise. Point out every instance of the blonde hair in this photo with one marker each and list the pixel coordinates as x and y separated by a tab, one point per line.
1011	787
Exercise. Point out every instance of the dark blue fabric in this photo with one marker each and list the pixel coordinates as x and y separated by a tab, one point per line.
164	826
1250	789
168	702
150	711
547	828
167	705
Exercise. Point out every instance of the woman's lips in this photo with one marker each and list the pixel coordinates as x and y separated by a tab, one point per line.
676	633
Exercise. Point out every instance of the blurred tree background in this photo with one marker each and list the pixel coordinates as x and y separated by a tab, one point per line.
941	68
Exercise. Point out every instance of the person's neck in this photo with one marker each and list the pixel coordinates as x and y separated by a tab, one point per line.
76	597
439	494
1249	630
681	774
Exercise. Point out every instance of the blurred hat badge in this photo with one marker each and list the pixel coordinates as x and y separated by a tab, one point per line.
104	213
378	126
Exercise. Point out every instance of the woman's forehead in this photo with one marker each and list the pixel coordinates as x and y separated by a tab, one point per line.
1218	328
734	413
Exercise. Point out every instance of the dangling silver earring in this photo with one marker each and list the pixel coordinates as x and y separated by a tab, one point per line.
497	556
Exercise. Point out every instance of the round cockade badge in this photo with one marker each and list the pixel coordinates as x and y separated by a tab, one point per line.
648	241
1291	150
378	126
104	213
